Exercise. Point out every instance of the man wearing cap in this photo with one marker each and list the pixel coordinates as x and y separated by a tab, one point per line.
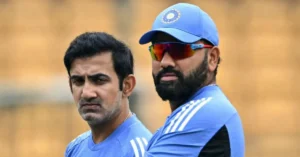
184	48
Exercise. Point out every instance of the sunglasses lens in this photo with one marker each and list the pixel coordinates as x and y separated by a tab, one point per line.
158	51
175	50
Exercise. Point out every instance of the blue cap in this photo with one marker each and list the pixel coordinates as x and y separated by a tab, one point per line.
185	22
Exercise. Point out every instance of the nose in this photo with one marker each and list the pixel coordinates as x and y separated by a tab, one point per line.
88	91
167	61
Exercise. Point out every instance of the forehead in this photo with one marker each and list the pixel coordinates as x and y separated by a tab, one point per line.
100	63
163	37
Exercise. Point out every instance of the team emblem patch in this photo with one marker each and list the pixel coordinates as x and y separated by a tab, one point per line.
171	16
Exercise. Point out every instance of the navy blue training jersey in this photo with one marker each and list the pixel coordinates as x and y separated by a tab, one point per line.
205	126
128	140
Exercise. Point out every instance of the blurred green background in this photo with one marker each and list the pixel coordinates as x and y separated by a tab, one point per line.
259	46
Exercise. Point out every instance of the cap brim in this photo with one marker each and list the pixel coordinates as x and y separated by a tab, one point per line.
176	33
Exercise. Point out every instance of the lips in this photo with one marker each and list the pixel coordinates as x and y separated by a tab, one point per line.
169	74
90	105
169	77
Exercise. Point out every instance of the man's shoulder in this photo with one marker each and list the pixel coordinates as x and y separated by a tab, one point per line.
200	113
135	138
137	131
138	128
77	141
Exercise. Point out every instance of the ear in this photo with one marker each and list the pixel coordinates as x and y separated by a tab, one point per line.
128	85
213	58
70	85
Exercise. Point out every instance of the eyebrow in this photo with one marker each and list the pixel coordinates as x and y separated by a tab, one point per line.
90	76
75	77
98	75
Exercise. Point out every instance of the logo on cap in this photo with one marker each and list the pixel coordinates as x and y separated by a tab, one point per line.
171	16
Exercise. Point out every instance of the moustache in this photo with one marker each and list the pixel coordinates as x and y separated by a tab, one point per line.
90	101
169	70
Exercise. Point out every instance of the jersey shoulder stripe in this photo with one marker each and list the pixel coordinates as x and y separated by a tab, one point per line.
182	118
138	145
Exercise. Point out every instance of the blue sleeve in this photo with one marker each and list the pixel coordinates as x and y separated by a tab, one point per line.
200	131
73	145
178	144
67	152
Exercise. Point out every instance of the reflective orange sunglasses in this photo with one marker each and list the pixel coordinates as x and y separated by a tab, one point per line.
175	49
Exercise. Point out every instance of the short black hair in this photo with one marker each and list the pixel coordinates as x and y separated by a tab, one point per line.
92	43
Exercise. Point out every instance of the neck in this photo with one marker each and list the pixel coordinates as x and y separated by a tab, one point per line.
175	104
101	131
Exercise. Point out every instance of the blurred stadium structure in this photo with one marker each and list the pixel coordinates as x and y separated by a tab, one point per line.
259	48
